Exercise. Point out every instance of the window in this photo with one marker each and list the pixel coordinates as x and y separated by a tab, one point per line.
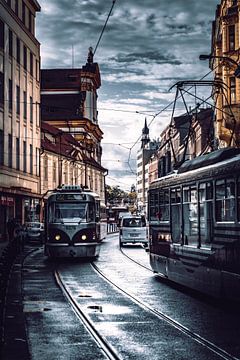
163	214
45	169
16	7
66	173
10	150
18	100
190	216
24	156
25	105
31	63
1	147
153	206
176	214
30	21
31	159
17	154
206	213
10	42
31	109
231	37
23	12
37	161
225	200
18	50
37	70
10	95
54	171
232	89
1	89
1	35
24	57
9	2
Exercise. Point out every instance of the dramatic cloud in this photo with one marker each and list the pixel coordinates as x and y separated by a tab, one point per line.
146	48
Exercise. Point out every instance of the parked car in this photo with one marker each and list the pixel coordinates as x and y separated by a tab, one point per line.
133	230
34	231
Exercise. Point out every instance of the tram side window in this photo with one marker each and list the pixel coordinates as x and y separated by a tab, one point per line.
190	216
153	204
225	200
176	215
163	214
206	213
238	198
91	212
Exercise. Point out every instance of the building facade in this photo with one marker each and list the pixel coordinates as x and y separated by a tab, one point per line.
69	103
19	111
224	59
174	147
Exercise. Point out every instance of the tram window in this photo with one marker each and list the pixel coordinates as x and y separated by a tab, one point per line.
163	214
190	216
206	213
238	198
70	211
90	212
225	200
154	210
176	215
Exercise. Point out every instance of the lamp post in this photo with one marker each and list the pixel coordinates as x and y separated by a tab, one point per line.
226	58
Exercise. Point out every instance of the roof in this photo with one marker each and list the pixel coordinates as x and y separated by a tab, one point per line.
62	106
35	4
208	159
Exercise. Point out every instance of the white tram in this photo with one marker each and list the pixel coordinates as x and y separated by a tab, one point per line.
194	224
73	223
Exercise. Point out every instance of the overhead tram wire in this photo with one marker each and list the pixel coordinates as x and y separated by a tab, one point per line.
157	114
104	27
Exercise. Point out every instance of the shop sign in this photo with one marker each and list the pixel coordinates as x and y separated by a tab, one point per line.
6	200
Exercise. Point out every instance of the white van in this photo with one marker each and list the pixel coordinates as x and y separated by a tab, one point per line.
133	230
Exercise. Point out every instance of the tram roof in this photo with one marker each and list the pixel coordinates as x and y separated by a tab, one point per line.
206	165
208	159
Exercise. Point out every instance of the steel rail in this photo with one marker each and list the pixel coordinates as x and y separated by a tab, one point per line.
102	343
194	336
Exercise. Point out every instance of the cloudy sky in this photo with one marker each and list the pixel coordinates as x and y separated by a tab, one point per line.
148	46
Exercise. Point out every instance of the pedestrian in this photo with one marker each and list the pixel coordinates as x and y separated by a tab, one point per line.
10	228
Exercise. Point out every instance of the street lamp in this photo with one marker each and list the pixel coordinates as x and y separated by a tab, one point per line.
228	59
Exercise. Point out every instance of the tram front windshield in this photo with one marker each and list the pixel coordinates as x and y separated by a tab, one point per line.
71	212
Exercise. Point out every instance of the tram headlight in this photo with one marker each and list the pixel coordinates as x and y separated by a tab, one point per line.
84	237
57	237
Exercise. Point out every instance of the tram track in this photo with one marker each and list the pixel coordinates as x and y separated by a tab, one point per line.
89	325
183	329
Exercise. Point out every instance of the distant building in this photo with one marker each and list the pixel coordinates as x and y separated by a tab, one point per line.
225	46
19	111
69	103
143	156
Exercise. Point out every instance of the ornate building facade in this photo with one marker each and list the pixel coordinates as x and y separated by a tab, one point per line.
69	104
224	60
19	111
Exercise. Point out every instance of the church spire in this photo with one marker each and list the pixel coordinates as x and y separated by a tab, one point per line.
145	134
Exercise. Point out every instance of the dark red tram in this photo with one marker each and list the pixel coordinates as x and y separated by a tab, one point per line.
194	224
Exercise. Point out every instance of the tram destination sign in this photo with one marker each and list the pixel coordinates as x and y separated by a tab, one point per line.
71	197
